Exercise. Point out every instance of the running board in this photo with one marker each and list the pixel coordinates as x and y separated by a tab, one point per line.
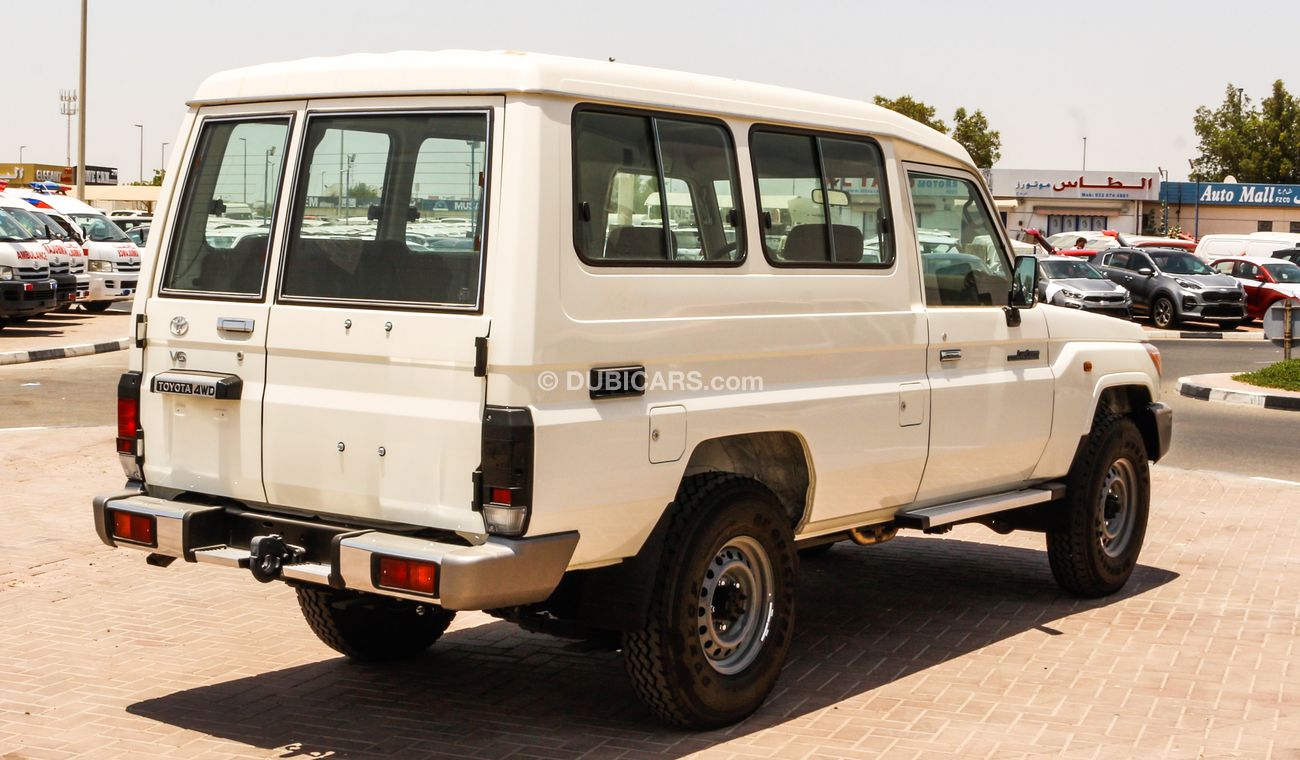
939	515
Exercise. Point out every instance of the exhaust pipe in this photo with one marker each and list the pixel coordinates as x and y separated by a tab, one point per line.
873	534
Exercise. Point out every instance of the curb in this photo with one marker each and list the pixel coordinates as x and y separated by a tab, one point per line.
1260	398
45	354
1189	335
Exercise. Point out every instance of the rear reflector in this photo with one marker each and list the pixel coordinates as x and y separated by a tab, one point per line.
500	496
132	527
408	575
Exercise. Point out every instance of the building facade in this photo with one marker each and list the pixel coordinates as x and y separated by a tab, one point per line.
1066	200
1204	208
21	175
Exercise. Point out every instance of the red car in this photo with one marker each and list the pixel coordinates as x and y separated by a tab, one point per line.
1035	236
1266	281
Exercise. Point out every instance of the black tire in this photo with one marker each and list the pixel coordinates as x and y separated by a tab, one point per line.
1164	313
709	665
95	307
371	627
1095	538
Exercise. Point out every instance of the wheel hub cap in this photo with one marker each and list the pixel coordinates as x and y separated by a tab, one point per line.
735	605
1115	518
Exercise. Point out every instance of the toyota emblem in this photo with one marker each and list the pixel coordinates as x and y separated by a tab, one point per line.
180	325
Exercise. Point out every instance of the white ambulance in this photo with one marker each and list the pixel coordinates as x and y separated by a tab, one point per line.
574	418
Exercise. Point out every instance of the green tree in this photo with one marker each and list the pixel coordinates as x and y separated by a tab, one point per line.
157	180
363	193
972	131
1252	143
913	109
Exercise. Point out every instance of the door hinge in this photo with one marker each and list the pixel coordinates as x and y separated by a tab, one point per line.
141	322
480	357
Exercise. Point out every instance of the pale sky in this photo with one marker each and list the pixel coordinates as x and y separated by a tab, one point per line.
1127	75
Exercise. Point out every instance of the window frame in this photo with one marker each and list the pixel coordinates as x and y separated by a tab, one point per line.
174	217
299	189
816	134
738	201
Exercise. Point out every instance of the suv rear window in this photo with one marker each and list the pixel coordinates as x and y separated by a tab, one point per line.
373	191
238	162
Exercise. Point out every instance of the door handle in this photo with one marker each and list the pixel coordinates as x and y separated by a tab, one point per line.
230	324
949	354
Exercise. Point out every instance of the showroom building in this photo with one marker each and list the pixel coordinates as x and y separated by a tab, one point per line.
1066	200
1204	208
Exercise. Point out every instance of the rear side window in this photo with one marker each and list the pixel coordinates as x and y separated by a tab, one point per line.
390	209
651	190
223	225
823	200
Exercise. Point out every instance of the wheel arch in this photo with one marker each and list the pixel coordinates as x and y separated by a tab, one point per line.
778	459
1131	399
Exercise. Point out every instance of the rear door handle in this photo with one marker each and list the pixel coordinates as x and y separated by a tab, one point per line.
949	354
231	324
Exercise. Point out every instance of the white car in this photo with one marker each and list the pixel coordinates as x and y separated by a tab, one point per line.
563	420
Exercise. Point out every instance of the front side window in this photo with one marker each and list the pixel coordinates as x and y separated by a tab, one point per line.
1180	263
971	268
390	209
10	230
823	200
654	191
223	224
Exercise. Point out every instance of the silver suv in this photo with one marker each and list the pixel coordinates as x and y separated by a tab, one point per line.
1174	286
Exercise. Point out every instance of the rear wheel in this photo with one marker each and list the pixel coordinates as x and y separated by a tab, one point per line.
722	613
371	627
1096	536
95	307
1163	313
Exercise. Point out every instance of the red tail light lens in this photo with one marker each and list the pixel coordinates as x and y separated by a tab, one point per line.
128	423
132	527
408	575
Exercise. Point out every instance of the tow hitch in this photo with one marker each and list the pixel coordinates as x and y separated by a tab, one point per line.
267	556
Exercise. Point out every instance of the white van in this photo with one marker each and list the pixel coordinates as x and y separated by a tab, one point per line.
26	288
66	269
562	418
112	260
1257	244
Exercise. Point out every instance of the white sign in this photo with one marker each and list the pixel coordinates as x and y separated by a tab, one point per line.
1275	322
1018	183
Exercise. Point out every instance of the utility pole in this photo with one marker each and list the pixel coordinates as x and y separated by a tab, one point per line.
162	158
81	112
1085	154
244	140
141	128
68	107
20	153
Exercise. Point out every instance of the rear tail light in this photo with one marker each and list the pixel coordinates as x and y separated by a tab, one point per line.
505	478
129	432
407	575
128	526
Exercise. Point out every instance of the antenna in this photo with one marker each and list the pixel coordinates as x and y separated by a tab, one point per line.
68	108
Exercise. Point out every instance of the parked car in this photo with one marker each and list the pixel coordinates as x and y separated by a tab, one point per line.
1094	240
1212	247
1129	240
139	235
126	223
26	287
1075	284
1288	254
1174	286
1266	281
337	416
1069	249
66	267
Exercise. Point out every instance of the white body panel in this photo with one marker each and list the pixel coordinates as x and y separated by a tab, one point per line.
848	359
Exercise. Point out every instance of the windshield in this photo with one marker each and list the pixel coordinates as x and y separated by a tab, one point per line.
1284	272
1180	263
35	228
1069	270
99	229
10	229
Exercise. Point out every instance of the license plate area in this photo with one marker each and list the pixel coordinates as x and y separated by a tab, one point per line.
201	384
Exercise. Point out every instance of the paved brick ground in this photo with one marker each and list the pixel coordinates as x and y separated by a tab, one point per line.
923	647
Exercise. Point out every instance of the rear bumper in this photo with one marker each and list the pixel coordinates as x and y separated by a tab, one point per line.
498	573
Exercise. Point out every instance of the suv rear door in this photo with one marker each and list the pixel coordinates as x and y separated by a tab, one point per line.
373	406
205	339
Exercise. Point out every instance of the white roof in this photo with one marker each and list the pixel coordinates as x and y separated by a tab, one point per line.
467	72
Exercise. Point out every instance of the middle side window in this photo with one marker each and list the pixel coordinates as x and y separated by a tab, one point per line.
654	191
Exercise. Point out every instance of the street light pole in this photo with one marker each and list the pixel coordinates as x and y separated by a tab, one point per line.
162	158
266	186
141	128
20	153
244	187
81	112
1085	154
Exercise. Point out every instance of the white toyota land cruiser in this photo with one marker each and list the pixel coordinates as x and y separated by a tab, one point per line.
560	415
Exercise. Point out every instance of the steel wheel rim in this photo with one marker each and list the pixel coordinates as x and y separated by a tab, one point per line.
735	605
1164	310
1117	508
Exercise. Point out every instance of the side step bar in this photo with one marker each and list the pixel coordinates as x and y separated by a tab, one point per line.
939	515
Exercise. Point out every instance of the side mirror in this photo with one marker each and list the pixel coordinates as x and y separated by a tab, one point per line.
1146	271
1024	283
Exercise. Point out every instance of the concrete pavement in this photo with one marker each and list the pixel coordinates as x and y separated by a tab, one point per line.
956	646
59	335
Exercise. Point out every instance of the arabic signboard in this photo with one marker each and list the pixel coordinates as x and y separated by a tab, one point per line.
1124	186
1231	194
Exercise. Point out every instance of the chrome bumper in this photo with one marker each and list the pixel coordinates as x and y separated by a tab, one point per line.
499	573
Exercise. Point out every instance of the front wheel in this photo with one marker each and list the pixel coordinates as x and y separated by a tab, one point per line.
1095	538
722	613
1163	313
371	627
